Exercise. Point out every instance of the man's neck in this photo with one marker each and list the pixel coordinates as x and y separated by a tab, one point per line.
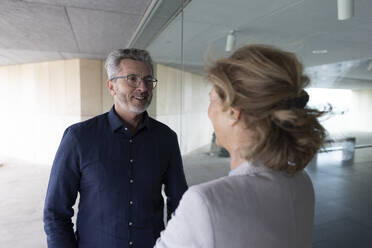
131	119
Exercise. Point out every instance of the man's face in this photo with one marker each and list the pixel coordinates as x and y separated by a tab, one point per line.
129	98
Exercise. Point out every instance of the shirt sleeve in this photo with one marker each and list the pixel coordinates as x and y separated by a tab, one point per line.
61	194
190	226
175	182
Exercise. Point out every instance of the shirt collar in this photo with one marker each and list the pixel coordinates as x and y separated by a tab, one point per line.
247	168
116	123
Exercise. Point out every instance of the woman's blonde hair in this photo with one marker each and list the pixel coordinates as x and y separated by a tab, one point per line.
267	85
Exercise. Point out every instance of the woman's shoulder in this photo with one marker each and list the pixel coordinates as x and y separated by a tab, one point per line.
227	183
210	185
233	187
216	189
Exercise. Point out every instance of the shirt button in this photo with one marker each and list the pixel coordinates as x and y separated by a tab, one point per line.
126	129
131	160
130	223
131	181
130	243
130	141
131	203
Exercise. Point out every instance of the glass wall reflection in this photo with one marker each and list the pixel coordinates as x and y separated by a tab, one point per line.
334	53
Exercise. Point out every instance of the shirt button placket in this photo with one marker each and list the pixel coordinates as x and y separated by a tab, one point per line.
131	181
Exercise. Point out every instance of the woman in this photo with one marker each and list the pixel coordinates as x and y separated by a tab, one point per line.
257	108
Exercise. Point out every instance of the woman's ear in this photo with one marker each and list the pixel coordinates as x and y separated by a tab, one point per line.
235	115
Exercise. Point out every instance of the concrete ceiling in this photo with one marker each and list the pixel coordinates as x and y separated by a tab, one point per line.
307	27
40	30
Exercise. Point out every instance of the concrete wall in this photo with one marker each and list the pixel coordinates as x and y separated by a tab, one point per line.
181	103
95	98
38	101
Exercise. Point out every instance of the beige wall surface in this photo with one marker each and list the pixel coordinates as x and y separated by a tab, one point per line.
39	101
90	87
182	103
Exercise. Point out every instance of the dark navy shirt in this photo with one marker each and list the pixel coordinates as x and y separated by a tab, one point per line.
119	177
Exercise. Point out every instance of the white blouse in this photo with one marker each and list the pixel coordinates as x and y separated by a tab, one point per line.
253	206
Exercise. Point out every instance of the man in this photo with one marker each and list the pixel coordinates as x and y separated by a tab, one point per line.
118	162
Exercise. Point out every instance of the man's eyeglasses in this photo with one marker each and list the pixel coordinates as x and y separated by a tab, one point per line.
134	80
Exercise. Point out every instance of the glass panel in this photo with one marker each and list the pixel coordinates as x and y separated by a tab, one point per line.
163	38
334	52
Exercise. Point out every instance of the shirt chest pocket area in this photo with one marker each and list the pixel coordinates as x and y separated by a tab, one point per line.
104	175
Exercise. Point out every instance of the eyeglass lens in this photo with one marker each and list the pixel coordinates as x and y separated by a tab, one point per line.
135	80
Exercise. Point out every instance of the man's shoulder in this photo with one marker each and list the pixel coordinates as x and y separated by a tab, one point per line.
89	125
161	127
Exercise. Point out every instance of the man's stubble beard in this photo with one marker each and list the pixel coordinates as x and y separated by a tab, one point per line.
126	104
139	110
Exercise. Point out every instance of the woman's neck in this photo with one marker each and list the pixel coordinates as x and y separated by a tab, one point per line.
235	158
236	142
239	139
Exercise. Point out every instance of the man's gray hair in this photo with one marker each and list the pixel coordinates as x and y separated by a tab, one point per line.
114	58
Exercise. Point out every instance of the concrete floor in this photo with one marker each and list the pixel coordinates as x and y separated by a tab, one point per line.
343	200
22	193
342	190
343	197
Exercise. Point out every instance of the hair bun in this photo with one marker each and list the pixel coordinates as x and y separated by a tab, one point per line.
298	102
301	101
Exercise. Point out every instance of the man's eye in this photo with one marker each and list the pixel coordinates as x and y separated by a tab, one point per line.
132	78
148	80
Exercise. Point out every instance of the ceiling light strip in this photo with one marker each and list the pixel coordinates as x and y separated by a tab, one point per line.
154	5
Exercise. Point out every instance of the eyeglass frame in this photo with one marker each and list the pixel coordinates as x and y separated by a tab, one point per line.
154	80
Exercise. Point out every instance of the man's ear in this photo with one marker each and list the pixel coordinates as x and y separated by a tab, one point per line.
110	86
235	115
